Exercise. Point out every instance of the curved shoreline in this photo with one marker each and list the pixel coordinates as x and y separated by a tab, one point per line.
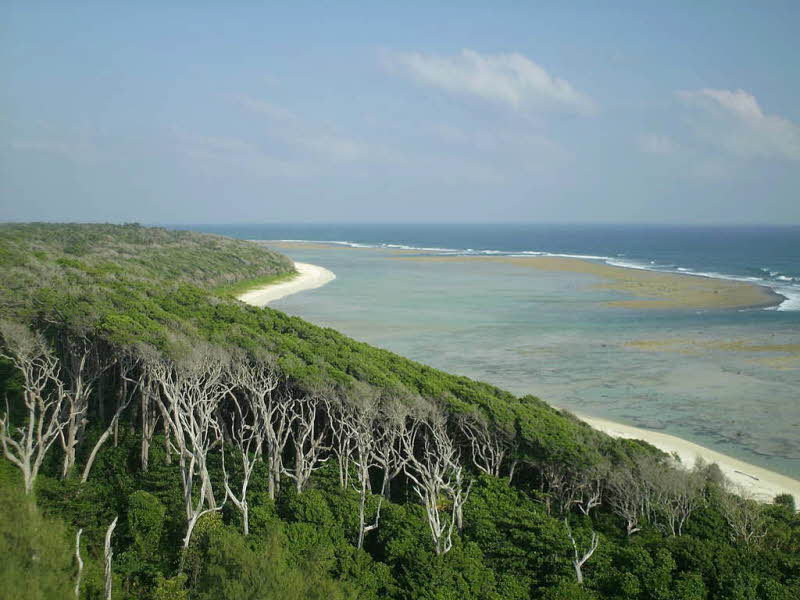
761	483
308	277
771	295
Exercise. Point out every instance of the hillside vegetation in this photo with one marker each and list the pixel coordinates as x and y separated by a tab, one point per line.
248	454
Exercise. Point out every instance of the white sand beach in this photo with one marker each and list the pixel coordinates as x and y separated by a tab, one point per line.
309	277
761	483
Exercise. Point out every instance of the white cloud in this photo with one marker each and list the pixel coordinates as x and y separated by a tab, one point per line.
233	154
734	122
267	109
658	144
511	80
317	140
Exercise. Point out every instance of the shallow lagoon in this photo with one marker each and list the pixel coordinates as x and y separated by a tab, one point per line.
728	380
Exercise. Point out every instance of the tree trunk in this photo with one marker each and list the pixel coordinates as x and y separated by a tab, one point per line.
108	555
80	563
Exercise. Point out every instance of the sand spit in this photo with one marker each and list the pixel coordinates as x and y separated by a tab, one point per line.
654	289
309	277
761	483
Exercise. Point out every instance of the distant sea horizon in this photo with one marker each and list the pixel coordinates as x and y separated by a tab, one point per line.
766	255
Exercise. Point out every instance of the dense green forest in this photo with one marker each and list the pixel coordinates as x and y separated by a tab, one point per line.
164	441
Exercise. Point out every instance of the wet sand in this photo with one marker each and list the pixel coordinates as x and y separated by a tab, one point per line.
653	290
761	483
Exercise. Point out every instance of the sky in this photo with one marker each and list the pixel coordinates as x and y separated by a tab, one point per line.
256	112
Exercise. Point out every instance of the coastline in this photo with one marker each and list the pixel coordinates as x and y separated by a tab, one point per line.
654	289
309	277
761	483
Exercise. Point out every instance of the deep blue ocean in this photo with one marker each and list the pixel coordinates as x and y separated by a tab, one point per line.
769	255
726	379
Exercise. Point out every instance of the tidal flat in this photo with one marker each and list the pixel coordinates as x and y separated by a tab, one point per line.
722	377
653	290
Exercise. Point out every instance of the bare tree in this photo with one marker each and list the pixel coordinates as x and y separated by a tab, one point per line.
148	415
192	390
557	484
627	497
490	446
674	495
148	409
590	484
43	398
127	364
744	515
108	554
341	440
580	559
388	451
280	419
359	415
308	439
80	563
437	476
83	367
247	421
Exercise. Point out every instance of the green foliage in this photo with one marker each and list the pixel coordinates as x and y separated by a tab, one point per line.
786	500
230	569
173	588
569	590
129	285
202	535
35	551
240	287
146	522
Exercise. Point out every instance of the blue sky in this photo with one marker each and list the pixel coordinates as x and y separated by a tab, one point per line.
202	112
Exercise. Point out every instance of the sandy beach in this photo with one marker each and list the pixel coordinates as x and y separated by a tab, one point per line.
309	277
657	290
662	289
761	483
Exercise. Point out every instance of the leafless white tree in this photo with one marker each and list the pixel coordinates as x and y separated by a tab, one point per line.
436	474
580	559
308	438
191	390
43	398
490	446
83	366
341	440
590	484
247	422
675	494
556	485
626	497
129	387
280	419
389	454
149	415
744	515
80	563
108	555
359	415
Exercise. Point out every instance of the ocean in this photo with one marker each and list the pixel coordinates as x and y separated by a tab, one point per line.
726	379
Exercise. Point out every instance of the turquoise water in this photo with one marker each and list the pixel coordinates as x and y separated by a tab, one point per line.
717	378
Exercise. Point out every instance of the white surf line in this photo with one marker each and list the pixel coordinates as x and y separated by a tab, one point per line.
762	483
309	277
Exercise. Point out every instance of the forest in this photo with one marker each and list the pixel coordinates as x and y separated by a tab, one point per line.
162	440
